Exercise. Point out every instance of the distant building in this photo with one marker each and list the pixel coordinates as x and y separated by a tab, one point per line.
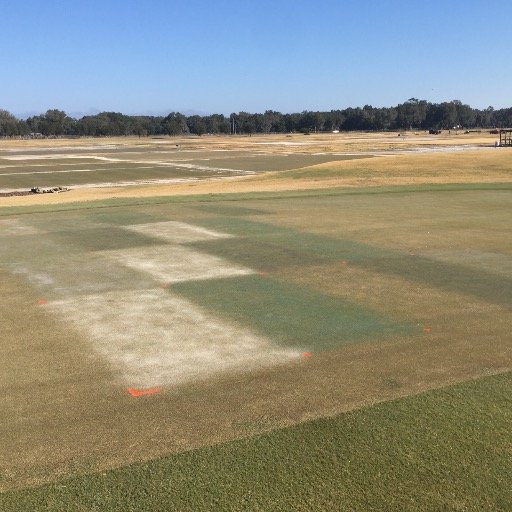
505	137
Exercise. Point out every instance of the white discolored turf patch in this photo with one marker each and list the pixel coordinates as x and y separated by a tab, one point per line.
60	278
15	227
177	232
154	339
175	263
41	279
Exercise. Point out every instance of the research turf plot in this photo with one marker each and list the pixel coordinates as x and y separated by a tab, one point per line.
195	321
126	301
150	336
153	338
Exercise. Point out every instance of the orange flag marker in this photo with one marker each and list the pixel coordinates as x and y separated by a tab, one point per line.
143	392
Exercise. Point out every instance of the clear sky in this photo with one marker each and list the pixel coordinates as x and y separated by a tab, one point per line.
155	56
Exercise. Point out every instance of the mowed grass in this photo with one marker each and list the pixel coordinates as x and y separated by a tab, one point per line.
279	310
395	291
449	449
285	246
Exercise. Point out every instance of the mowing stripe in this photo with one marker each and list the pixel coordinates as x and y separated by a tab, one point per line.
479	260
470	280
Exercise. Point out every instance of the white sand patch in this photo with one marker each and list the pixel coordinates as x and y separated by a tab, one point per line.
157	181
177	232
175	263
57	156
53	171
91	147
152	338
15	227
127	160
284	143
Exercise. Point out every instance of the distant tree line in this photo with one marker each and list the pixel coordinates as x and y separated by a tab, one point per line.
413	114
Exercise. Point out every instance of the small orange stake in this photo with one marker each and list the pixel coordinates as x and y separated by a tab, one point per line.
149	391
41	302
164	285
263	274
307	354
427	330
344	262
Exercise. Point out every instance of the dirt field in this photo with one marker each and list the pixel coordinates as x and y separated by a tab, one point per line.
149	323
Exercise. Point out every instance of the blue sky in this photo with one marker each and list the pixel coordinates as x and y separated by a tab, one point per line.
155	56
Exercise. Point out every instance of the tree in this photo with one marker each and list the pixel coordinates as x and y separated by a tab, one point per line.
245	123
411	114
449	115
196	125
217	123
54	122
175	124
10	126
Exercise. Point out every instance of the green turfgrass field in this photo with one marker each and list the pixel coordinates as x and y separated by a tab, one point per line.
444	450
251	313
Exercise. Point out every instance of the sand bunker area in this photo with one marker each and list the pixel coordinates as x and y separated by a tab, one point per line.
95	169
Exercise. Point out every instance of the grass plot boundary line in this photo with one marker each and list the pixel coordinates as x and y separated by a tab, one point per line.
236	196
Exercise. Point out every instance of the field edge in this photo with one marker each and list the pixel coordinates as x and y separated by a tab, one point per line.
442	449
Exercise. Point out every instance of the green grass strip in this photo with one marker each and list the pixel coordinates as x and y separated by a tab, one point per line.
117	202
494	288
443	450
290	315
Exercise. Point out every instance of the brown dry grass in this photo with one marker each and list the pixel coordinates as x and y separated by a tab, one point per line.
493	165
358	141
464	166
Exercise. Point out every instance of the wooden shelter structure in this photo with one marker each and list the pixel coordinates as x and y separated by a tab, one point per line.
506	137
